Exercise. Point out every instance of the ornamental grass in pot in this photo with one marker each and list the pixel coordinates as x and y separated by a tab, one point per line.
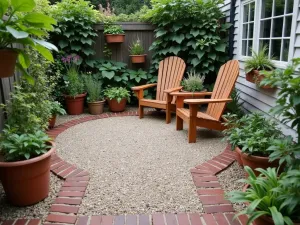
114	33
19	25
117	98
137	52
95	98
193	83
271	198
256	65
56	109
74	87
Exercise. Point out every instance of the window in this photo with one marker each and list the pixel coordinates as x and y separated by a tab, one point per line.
273	21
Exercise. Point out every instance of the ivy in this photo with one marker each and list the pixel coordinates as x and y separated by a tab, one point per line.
191	30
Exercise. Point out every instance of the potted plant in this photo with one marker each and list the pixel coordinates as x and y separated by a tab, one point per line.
19	25
271	198
256	64
117	98
193	83
251	136
114	33
137	52
56	109
95	99
74	86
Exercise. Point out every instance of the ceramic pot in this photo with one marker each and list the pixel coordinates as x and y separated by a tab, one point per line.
116	106
138	58
238	156
96	108
27	182
75	104
115	38
52	121
8	59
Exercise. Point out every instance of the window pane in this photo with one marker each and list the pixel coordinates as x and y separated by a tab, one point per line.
266	10
246	13
277	27
244	47
249	53
245	31
285	53
263	43
265	28
289	6
252	11
275	49
288	25
279	7
251	28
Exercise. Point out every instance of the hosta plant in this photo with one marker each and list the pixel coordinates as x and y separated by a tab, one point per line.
117	93
57	109
194	82
271	194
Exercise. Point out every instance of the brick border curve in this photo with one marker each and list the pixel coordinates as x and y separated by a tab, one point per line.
64	209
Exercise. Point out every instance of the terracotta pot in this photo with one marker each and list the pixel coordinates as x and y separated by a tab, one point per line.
8	59
259	78
114	106
115	38
254	77
52	121
75	104
96	108
138	58
266	220
255	162
27	182
238	156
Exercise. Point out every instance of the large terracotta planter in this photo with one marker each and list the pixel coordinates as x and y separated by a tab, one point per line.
255	162
96	108
27	182
138	58
8	59
75	104
115	38
238	156
52	121
116	106
254	77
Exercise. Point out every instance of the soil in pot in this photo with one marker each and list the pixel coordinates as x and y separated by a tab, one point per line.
8	60
96	108
75	105
116	106
52	121
115	38
27	182
138	58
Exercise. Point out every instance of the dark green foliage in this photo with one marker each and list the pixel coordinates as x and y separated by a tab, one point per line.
74	32
235	106
191	30
128	6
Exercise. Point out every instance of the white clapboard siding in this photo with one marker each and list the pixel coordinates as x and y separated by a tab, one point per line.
255	98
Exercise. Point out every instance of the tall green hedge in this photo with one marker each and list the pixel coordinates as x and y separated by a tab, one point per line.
190	29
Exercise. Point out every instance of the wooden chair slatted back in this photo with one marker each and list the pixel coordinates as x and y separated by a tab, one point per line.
170	74
224	85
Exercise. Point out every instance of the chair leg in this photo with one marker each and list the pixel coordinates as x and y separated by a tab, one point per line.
168	114
179	123
192	131
141	111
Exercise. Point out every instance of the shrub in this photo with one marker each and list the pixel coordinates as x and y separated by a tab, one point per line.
191	30
94	88
194	82
118	93
75	32
136	48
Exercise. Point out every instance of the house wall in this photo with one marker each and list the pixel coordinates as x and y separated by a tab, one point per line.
255	98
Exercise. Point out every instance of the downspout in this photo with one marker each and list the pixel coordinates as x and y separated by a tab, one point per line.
231	30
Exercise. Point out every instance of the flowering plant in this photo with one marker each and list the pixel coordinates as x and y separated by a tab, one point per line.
72	62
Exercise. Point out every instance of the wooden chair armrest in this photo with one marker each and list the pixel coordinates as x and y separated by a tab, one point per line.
204	101
168	91
142	87
191	94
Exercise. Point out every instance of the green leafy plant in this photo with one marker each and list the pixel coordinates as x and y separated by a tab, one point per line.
17	147
194	82
19	24
138	75
75	32
235	106
94	88
113	29
118	93
107	52
191	30
136	48
271	194
259	61
57	109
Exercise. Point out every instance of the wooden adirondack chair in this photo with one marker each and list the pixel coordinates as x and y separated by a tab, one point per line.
211	119
170	74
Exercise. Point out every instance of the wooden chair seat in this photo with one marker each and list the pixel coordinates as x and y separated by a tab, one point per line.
153	103
200	115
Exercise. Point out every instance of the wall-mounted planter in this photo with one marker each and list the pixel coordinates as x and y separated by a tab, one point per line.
255	77
138	58
8	59
115	38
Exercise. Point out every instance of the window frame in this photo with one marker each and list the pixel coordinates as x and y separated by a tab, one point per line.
257	23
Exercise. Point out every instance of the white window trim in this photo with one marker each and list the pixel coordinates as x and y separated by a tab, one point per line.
278	64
